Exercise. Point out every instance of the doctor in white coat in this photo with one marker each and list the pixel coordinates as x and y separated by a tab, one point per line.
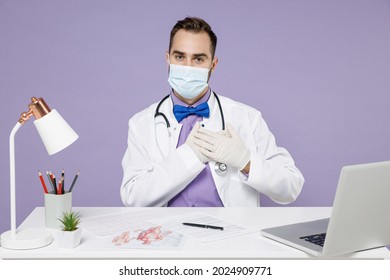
198	149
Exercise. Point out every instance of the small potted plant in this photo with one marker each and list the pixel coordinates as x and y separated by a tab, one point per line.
70	234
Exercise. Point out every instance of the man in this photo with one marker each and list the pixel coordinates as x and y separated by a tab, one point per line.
181	153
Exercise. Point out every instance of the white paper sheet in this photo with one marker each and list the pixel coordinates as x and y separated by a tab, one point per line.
128	222
119	222
175	223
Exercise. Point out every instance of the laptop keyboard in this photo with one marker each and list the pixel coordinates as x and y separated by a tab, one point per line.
315	238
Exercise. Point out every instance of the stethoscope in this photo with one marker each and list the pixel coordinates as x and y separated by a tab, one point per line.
219	167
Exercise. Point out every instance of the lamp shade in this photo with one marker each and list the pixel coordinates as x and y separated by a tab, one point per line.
55	132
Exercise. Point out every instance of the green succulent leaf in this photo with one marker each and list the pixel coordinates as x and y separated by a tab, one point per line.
70	221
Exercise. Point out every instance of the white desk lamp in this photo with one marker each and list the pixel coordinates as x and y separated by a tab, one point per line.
56	135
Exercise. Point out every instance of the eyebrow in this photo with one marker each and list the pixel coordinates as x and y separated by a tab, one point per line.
194	55
177	52
201	55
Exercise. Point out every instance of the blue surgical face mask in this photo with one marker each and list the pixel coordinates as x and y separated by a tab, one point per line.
188	81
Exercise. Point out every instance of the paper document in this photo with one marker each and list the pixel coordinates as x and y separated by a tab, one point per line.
126	225
175	223
118	222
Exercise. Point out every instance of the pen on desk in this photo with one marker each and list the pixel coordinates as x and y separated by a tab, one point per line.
74	181
202	226
42	182
51	182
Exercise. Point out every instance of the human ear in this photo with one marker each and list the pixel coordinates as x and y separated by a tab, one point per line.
167	57
214	64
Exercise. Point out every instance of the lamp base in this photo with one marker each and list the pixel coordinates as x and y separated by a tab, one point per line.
29	238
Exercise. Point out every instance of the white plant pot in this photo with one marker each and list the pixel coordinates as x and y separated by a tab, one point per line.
69	239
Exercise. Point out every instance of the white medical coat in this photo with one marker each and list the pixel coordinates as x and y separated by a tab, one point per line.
154	170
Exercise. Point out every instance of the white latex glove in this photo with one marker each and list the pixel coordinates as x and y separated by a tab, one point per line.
227	148
190	141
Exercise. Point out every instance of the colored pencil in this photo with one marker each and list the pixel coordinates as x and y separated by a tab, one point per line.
42	182
74	181
60	187
63	180
53	178
51	182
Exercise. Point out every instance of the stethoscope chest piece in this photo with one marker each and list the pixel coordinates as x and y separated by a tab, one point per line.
220	168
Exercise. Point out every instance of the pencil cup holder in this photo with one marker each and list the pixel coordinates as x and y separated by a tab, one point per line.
55	205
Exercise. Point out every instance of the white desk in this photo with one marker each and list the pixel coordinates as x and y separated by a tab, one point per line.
251	246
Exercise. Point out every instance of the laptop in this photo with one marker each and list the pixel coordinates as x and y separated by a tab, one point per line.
359	219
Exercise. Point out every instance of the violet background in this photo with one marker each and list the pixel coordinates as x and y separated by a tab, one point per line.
317	70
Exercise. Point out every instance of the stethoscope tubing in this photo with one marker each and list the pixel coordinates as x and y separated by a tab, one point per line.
158	113
220	168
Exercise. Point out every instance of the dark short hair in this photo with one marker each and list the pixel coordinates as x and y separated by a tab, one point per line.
195	25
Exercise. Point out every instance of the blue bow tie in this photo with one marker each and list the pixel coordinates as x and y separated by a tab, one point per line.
182	112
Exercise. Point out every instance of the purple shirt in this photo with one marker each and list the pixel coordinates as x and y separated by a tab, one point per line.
201	192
